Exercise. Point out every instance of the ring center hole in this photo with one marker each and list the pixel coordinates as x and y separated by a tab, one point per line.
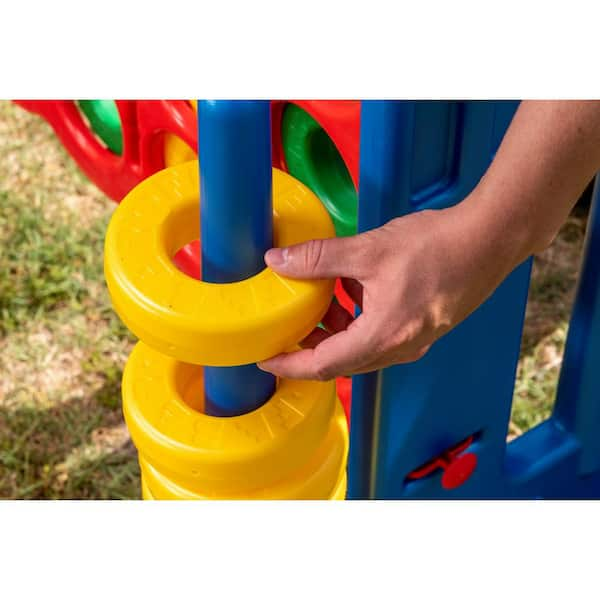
187	259
180	238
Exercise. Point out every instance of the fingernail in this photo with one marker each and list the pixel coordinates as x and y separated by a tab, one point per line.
265	368
276	256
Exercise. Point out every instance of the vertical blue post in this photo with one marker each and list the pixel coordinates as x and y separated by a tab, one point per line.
234	146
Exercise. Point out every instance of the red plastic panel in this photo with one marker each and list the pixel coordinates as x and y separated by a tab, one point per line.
339	118
145	124
157	118
114	175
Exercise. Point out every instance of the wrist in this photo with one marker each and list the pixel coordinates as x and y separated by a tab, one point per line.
498	228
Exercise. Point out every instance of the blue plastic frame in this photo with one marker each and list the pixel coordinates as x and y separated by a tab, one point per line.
417	155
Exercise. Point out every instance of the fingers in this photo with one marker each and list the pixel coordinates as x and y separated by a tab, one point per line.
339	354
320	259
328	356
387	361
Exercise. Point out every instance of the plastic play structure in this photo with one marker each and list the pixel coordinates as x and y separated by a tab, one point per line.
207	423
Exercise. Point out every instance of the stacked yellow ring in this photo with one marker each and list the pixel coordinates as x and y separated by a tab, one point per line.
295	445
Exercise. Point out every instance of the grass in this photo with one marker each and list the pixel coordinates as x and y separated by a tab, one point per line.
551	295
62	348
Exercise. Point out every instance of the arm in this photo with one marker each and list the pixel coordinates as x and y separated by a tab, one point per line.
419	276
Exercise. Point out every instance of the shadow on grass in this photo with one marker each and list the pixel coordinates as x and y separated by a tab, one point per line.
76	448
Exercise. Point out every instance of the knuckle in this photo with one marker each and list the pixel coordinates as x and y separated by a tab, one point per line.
313	255
370	252
410	335
322	371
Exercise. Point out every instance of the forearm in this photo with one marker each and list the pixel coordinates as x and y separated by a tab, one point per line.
549	154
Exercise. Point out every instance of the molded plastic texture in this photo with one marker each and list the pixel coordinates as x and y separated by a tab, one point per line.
167	133
114	174
457	465
458	471
235	188
312	157
236	226
158	133
188	261
103	116
205	323
340	121
404	415
177	150
294	446
339	118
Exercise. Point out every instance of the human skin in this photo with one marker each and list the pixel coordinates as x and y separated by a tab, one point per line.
418	276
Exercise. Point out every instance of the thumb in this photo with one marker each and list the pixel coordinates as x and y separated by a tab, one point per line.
319	259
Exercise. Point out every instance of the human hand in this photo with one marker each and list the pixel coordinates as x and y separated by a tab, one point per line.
414	279
420	275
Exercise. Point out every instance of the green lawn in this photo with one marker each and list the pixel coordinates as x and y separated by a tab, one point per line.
551	295
62	349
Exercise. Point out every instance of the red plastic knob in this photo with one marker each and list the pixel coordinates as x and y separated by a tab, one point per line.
458	470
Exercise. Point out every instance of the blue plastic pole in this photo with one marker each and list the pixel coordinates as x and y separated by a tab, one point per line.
234	143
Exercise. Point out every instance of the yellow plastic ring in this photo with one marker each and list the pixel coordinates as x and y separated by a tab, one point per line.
233	456
338	494
176	151
315	481
205	323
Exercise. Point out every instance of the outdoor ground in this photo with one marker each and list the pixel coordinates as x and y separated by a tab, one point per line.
62	349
